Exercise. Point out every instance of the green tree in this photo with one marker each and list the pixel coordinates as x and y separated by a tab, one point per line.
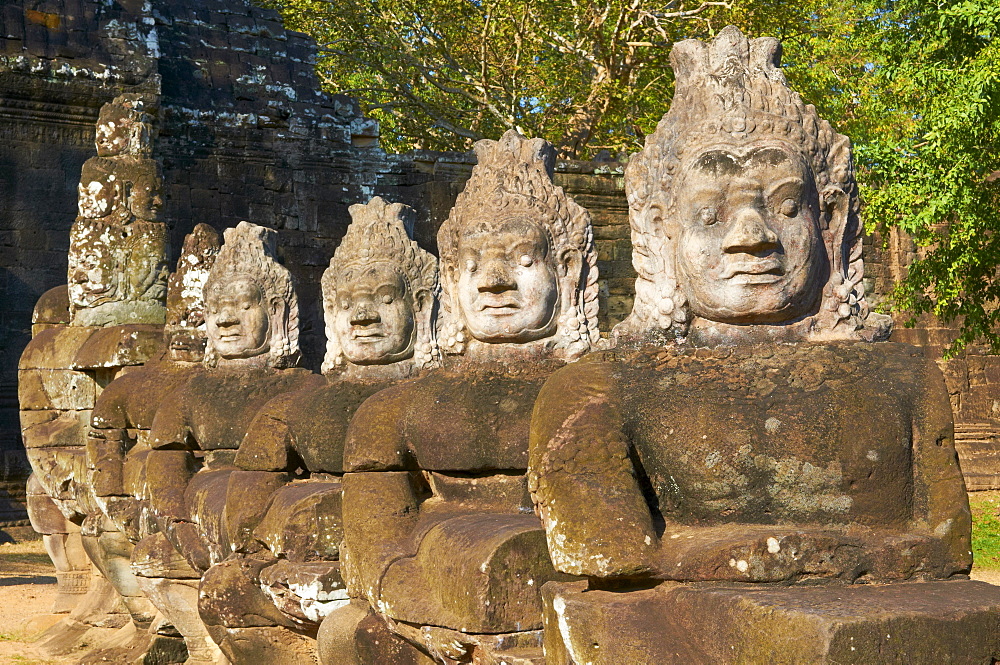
930	155
585	74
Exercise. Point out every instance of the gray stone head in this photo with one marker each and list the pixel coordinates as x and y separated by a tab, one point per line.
251	311
744	208
184	332
124	127
379	292
517	256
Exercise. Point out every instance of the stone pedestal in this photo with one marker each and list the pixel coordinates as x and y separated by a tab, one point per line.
910	622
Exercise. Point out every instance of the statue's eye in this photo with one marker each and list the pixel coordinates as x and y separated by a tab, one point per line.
346	304
470	265
789	208
708	215
526	260
387	299
246	306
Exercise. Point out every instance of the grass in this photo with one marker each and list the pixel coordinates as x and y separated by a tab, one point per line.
24	558
986	529
21	660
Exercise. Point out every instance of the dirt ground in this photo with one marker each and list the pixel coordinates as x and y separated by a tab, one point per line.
28	588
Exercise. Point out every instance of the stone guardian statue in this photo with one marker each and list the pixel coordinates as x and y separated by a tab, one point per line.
251	322
265	603
746	429
439	534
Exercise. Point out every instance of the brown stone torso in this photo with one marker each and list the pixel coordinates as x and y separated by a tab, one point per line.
778	435
315	420
470	421
217	406
766	463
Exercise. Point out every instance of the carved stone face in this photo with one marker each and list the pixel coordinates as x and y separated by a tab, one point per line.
112	134
186	346
507	282
145	201
96	198
747	238
92	276
237	319
373	316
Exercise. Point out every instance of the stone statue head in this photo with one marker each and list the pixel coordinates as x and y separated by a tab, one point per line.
184	332
123	127
251	311
97	195
379	291
117	274
144	195
94	266
744	207
517	255
126	181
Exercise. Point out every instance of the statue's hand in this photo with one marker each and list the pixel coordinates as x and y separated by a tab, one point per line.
444	643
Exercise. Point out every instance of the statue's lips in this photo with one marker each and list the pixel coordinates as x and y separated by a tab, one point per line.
497	306
754	272
367	335
93	289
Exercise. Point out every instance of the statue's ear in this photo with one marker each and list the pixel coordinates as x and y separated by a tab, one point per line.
569	262
835	208
658	220
422	300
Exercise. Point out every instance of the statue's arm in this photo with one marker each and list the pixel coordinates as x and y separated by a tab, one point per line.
171	428
381	500
583	483
267	445
380	512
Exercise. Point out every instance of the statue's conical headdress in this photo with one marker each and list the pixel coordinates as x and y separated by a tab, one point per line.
732	91
378	234
513	178
250	251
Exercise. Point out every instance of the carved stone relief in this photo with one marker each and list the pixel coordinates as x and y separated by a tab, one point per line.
118	244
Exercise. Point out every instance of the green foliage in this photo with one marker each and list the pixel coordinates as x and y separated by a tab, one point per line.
933	152
587	75
985	530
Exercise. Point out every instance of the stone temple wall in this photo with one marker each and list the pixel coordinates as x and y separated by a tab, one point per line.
243	134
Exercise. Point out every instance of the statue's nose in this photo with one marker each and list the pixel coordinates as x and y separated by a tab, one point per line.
364	314
227	317
495	277
749	233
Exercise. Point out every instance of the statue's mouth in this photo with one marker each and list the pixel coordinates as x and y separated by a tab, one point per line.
366	335
498	305
761	271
